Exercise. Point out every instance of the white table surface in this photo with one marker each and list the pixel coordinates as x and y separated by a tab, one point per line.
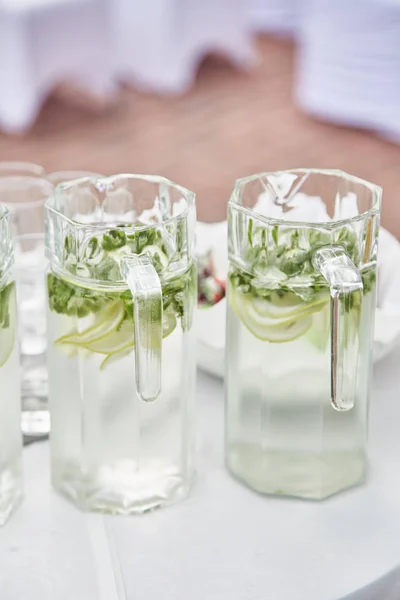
224	541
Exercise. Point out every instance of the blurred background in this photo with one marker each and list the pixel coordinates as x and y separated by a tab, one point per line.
204	91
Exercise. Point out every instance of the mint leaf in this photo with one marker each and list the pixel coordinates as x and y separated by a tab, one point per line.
250	232
68	299
292	261
114	239
284	270
93	249
274	234
99	262
263	238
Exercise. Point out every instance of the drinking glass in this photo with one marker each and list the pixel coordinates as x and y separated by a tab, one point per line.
30	269
25	196
10	406
21	169
121	297
301	302
57	177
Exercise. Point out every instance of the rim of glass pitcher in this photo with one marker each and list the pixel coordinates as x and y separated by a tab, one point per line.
45	184
375	189
68	175
21	168
188	195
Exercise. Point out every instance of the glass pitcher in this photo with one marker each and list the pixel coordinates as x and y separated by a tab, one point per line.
10	408
301	302
121	299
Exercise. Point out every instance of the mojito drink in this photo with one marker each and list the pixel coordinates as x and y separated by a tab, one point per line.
111	451
283	434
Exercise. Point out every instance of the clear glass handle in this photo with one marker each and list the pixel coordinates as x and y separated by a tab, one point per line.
144	283
346	289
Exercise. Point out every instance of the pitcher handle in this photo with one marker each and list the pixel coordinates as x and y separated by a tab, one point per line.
344	280
144	284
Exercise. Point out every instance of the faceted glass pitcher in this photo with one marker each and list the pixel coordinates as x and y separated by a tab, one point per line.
121	299
10	404
301	302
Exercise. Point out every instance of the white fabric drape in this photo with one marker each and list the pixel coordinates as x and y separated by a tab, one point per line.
348	65
160	46
44	42
275	16
155	44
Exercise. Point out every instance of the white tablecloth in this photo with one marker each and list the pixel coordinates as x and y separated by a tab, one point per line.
276	16
224	542
45	42
160	44
348	69
156	44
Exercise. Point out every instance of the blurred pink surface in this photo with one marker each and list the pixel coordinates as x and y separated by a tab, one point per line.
230	125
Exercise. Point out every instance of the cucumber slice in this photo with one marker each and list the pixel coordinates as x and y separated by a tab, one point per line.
319	335
114	341
263	326
169	324
289	306
111	334
106	322
111	358
285	333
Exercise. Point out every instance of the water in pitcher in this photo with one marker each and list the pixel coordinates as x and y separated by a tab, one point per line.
301	302
283	434
134	455
121	294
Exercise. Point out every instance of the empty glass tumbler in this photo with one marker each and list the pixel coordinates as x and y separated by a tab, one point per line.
10	409
21	169
121	298
24	195
301	302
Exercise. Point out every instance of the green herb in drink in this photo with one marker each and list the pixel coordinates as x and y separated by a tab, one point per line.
279	291
7	321
111	330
